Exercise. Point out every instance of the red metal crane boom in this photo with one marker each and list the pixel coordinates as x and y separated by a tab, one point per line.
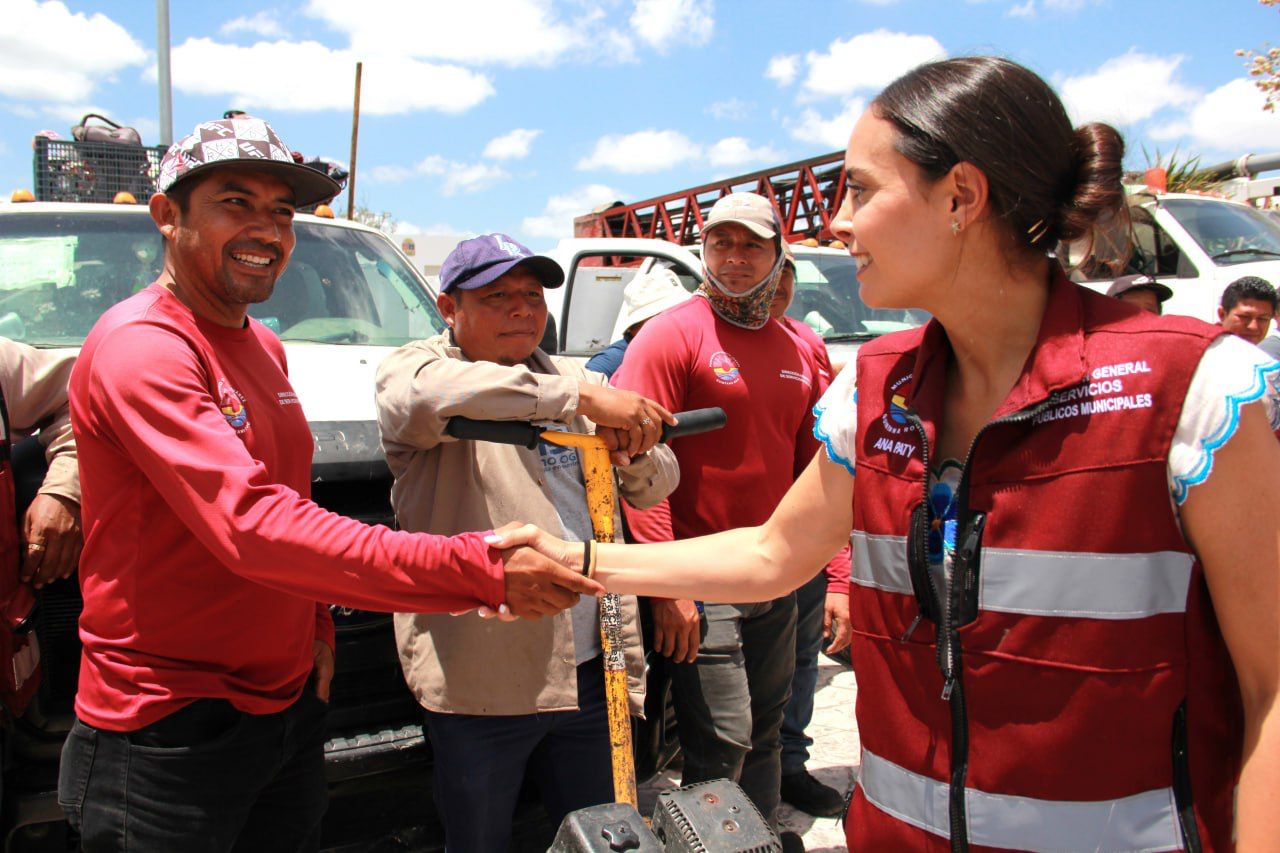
806	194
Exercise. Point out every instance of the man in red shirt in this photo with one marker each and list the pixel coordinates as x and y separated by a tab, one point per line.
206	657
734	662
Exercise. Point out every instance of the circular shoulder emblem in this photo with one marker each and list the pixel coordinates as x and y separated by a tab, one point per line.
725	367
231	402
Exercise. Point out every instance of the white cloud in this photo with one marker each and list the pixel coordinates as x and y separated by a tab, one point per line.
458	177
511	146
267	75
436	229
1126	89
261	24
388	174
867	61
643	151
1023	10
48	53
662	23
828	132
737	151
1228	121
783	69
505	32
732	109
471	178
556	219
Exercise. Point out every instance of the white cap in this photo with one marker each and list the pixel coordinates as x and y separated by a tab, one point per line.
648	296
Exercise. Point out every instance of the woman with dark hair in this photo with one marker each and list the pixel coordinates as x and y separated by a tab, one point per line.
1065	607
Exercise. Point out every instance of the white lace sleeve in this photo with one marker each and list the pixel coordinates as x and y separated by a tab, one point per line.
836	418
1232	372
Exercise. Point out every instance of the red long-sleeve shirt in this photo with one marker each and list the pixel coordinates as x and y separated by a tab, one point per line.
204	557
767	382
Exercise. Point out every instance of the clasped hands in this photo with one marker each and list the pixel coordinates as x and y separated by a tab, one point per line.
543	574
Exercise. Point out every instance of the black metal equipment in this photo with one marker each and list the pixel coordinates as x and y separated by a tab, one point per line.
68	170
709	817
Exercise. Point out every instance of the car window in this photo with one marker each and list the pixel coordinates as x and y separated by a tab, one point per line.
826	299
1228	233
1140	246
60	271
344	286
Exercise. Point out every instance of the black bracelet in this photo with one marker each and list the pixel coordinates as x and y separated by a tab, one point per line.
586	558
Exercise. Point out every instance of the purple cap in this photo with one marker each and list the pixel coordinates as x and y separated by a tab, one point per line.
246	143
483	260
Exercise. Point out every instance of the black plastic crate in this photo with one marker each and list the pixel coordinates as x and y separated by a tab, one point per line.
66	170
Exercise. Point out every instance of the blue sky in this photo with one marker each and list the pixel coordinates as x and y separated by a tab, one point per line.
516	115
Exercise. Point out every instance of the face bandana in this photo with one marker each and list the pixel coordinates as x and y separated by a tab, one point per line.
749	309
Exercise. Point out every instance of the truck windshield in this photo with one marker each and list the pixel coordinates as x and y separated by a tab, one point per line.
1228	233
60	271
827	299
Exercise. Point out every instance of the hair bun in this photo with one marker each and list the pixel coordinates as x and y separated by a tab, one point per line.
1097	189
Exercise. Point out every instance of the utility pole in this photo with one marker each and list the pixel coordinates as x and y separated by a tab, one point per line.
162	69
355	134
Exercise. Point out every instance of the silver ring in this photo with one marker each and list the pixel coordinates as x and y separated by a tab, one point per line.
644	422
35	546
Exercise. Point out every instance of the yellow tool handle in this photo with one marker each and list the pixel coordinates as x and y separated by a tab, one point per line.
597	474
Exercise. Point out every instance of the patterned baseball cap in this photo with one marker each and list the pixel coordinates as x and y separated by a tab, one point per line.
243	142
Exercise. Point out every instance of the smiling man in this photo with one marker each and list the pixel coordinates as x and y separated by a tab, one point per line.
503	698
206	655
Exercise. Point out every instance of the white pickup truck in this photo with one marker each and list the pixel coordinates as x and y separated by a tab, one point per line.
1197	245
584	311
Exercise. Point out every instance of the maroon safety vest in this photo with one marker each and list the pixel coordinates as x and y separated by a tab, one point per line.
1074	691
19	651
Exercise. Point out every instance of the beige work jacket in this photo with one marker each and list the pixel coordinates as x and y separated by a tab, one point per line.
35	393
463	664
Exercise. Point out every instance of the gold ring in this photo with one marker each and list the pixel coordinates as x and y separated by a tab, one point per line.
35	546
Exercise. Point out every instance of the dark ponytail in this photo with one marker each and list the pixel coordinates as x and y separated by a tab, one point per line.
1047	181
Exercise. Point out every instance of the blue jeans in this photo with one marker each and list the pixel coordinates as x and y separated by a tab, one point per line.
729	702
480	762
810	603
205	778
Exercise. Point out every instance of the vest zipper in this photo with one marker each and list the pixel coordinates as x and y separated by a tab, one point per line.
959	586
1182	782
918	563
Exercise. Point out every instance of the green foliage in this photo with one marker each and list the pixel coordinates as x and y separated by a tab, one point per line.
1183	174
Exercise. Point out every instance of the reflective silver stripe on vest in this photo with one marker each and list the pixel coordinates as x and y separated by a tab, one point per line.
1046	583
880	562
1143	822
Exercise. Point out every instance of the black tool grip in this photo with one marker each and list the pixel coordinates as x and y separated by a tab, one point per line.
694	421
525	434
520	433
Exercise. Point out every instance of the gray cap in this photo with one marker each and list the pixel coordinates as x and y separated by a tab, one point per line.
1125	283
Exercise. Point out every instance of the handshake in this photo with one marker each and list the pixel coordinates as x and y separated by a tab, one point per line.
543	574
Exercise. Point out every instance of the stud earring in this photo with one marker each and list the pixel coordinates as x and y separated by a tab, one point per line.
955	227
